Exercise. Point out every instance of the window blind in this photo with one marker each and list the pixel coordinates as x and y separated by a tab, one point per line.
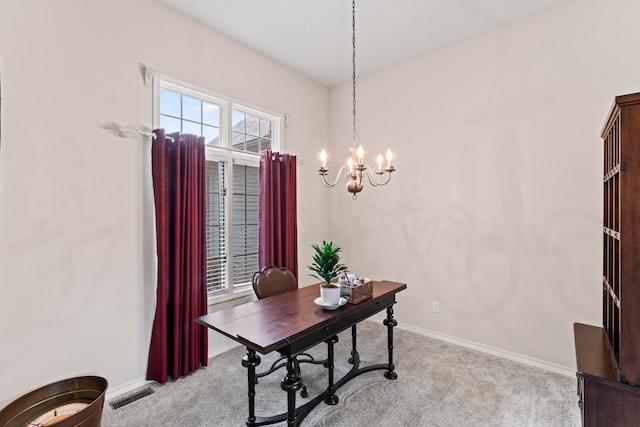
245	199
216	225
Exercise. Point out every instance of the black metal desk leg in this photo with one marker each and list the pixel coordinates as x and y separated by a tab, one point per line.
354	350
291	383
250	361
332	399
390	323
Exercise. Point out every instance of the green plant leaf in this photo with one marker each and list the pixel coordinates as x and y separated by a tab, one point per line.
326	262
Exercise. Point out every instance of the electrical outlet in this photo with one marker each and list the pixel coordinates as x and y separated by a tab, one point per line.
436	307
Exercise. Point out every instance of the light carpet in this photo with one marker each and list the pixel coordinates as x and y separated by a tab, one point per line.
439	384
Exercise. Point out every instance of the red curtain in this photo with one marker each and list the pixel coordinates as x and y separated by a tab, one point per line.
178	344
278	211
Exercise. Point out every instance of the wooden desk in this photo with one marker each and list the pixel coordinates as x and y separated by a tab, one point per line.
291	323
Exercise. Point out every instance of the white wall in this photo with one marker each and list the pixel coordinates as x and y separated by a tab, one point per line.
75	294
495	210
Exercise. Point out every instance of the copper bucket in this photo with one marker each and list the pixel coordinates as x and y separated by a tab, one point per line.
72	402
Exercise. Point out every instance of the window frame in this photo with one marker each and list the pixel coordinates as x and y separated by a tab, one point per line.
223	153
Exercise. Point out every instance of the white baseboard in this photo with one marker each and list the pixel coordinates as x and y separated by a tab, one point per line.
131	386
219	350
516	357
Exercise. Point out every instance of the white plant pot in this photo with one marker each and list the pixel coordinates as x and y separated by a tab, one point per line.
330	296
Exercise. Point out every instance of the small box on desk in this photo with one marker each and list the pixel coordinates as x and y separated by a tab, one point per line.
358	293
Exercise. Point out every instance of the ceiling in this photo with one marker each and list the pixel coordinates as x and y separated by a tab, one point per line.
314	36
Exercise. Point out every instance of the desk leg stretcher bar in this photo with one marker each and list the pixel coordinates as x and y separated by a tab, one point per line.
291	382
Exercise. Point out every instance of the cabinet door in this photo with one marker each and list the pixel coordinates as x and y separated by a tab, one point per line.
608	403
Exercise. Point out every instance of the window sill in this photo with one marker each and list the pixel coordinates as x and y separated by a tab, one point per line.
222	299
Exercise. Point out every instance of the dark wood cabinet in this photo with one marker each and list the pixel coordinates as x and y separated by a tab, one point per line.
608	356
604	400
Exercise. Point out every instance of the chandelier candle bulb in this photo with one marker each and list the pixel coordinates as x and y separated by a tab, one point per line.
360	155
379	162
389	156
323	158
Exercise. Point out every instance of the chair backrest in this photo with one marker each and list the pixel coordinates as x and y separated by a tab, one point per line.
273	280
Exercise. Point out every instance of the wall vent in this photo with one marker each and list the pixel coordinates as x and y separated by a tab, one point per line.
131	398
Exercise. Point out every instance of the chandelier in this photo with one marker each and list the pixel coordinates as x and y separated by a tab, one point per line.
356	168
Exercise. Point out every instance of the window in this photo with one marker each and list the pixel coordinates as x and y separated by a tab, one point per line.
235	134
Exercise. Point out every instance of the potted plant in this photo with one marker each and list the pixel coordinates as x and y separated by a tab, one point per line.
326	267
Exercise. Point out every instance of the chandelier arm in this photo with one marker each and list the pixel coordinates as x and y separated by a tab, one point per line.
376	182
331	184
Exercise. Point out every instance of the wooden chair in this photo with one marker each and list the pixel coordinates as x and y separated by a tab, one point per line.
272	280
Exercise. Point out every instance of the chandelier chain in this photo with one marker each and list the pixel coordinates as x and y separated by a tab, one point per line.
356	168
353	76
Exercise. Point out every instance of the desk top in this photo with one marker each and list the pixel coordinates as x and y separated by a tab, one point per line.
268	324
